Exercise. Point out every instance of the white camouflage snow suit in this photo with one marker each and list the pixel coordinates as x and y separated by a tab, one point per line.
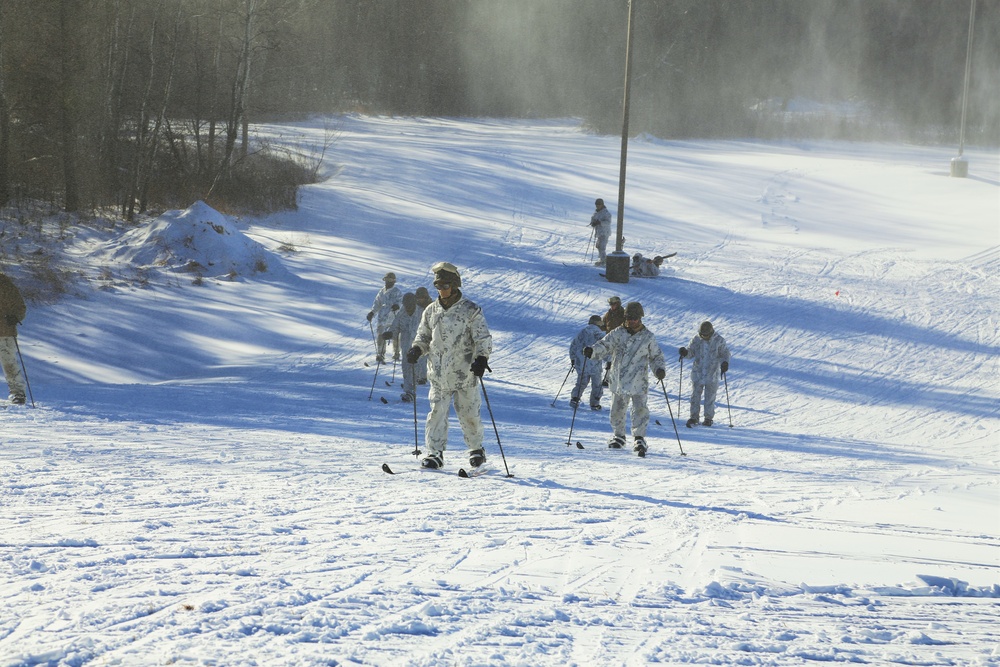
452	338
706	358
633	356
386	298
587	370
404	329
601	222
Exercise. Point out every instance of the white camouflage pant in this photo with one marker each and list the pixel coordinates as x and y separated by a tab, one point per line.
602	246
710	389
467	405
11	368
640	414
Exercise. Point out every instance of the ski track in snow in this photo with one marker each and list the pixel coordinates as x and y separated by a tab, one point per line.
231	510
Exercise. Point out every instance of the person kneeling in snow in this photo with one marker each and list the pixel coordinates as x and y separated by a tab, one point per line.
633	351
454	336
710	357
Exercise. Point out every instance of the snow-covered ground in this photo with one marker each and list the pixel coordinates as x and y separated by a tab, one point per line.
200	481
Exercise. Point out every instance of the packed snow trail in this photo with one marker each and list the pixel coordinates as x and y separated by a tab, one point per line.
200	480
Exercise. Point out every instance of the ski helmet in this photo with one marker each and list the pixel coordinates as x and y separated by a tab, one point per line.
634	311
446	272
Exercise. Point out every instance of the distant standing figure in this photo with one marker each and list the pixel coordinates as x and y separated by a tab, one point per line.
634	352
454	336
386	305
404	328
601	222
587	370
709	357
12	312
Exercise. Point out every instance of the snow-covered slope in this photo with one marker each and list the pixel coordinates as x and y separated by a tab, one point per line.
200	483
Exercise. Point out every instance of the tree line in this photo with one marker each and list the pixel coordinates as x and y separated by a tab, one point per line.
140	103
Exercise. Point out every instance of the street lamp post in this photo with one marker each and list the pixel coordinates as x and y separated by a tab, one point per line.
959	165
617	263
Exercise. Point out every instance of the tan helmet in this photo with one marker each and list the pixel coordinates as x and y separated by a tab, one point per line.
389	277
615	299
634	311
446	272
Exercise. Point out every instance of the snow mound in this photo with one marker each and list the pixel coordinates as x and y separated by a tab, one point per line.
197	240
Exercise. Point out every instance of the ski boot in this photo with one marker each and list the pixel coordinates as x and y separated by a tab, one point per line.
617	442
640	446
477	457
691	423
707	422
433	461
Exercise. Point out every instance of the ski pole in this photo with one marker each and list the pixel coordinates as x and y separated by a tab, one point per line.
553	404
589	253
728	406
24	371
490	410
672	417
378	364
680	384
569	440
416	438
374	342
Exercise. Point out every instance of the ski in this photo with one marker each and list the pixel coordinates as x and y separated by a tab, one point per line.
387	469
472	472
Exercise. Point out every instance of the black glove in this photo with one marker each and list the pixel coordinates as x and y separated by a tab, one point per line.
371	314
11	320
395	307
387	335
413	355
479	366
660	373
725	367
683	352
588	352
572	364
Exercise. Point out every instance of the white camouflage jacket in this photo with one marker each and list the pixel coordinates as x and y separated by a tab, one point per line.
382	306
603	220
406	326
452	338
633	356
588	335
706	357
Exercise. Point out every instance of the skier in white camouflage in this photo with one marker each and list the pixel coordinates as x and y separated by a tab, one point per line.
601	222
423	300
404	328
633	351
588	371
709	358
454	336
386	304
